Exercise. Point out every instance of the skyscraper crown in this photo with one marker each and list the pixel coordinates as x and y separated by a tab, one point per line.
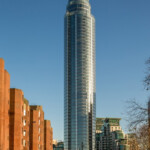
79	0
78	5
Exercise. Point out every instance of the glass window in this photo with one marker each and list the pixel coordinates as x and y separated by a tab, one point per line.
24	143
24	122
39	130
24	133
24	112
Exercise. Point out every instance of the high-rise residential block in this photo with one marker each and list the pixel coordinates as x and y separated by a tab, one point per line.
36	128
48	135
26	124
16	122
1	102
79	69
6	109
4	106
20	129
109	135
51	137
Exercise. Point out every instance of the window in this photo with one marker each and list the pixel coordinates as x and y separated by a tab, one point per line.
24	133
24	122
39	122
39	130
39	138
39	113
24	143
24	112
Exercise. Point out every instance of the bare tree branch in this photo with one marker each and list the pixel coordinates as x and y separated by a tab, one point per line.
136	114
147	77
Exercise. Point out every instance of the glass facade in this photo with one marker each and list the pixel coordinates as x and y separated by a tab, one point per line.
79	70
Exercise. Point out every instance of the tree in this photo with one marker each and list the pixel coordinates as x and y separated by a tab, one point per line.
139	116
147	77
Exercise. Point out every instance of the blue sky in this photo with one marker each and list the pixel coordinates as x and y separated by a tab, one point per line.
32	44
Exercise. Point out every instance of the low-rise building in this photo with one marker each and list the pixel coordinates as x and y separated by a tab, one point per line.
58	146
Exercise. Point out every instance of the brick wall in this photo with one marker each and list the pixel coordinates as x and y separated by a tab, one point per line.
26	126
1	103
4	106
6	109
36	128
16	105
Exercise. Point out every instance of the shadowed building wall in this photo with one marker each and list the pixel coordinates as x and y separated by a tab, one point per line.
36	128
6	109
26	124
51	138
16	105
1	103
48	137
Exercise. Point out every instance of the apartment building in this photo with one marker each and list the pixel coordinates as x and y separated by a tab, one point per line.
36	128
26	124
16	123
22	127
4	106
48	135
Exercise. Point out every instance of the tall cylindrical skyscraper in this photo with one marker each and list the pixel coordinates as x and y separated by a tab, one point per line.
80	92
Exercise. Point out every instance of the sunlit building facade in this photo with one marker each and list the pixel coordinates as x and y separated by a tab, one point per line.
109	135
80	92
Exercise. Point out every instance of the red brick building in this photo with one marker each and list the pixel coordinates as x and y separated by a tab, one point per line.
22	126
48	135
51	137
36	128
26	124
16	105
4	106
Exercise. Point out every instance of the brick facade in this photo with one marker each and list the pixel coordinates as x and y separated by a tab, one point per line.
16	105
48	135
4	106
1	103
6	109
51	137
36	128
26	124
21	125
